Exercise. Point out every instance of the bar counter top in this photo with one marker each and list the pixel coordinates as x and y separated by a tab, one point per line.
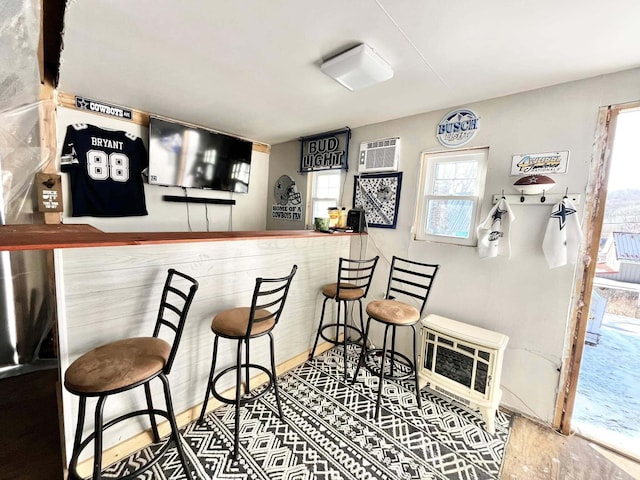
45	237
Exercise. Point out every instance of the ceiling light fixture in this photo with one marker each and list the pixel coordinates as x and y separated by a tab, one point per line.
357	68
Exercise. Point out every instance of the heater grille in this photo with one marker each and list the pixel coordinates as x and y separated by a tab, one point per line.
379	155
460	399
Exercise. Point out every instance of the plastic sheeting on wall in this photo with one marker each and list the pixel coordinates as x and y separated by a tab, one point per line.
20	156
23	319
26	310
20	159
19	38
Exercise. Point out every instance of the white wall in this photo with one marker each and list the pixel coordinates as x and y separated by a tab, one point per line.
169	216
521	296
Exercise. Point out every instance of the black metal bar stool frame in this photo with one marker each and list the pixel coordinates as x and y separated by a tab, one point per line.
274	291
412	280
354	280
177	326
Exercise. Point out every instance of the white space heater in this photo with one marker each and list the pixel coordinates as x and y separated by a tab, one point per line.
379	155
463	362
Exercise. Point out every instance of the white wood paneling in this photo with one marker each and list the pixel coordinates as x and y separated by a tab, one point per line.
110	293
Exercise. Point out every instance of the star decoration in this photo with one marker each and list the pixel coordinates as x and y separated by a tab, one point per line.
562	213
83	104
497	215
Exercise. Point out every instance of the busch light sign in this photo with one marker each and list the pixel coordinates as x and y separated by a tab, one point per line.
457	127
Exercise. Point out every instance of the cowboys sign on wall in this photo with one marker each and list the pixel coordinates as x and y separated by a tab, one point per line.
457	127
101	107
288	200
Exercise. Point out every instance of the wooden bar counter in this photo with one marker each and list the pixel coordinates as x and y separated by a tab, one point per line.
108	286
40	237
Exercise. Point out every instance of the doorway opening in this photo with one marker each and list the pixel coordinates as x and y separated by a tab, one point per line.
607	399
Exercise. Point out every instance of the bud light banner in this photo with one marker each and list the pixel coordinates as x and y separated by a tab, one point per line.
457	127
325	151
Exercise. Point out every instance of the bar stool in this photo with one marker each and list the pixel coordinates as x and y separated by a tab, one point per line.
354	279
126	364
243	324
411	280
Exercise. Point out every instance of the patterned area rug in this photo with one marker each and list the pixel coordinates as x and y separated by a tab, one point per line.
329	433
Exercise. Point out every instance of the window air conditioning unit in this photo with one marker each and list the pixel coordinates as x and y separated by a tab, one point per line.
379	155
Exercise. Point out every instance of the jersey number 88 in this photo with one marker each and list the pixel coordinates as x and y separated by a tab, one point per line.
102	166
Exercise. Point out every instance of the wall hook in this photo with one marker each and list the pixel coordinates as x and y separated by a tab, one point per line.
543	198
503	193
566	192
521	196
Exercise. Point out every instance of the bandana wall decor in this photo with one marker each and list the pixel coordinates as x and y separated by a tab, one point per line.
379	196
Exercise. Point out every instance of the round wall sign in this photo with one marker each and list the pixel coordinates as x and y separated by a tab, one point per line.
457	127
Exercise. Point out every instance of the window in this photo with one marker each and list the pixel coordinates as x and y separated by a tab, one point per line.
452	184
325	193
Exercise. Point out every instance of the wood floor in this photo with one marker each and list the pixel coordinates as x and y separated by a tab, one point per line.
535	452
29	435
30	442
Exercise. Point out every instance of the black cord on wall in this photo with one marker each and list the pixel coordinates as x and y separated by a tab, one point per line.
187	204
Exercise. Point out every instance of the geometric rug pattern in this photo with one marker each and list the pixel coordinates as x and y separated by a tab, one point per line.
328	433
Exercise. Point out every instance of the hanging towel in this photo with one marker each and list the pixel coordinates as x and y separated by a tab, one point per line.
493	233
562	238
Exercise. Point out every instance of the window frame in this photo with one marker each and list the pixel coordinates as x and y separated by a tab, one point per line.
312	199
428	163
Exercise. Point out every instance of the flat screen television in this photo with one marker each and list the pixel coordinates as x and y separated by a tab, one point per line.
182	155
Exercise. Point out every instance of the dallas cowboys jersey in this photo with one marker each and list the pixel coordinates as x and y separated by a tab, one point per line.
105	171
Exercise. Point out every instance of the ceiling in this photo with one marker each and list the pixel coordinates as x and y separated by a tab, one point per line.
252	67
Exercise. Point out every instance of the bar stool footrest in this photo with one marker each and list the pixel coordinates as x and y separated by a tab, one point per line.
335	341
399	358
247	399
73	465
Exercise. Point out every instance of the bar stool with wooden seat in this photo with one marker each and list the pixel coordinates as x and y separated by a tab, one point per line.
126	364
354	279
411	280
244	324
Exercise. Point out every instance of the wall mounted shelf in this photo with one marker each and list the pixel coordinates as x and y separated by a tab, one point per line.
550	198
